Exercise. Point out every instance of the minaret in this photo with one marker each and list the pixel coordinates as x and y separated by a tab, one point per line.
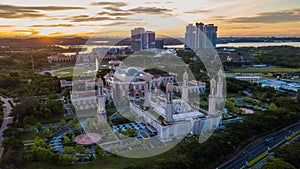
219	95
147	96
212	98
185	90
101	100
169	104
97	65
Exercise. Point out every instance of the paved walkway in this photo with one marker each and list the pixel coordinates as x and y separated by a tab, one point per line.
6	120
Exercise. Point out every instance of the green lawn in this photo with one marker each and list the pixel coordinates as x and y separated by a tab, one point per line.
263	70
68	72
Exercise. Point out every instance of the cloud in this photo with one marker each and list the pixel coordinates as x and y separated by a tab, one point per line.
218	17
150	10
87	34
240	27
43	8
53	25
26	32
153	2
125	24
118	23
6	26
140	10
198	11
87	18
292	15
113	8
115	13
21	14
116	4
15	12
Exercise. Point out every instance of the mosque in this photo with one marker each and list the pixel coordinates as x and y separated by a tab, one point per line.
167	117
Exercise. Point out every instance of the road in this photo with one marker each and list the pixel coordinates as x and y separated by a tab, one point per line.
258	147
6	120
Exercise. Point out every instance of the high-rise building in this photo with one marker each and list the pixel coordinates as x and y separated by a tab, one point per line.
190	36
201	36
210	31
137	39
159	43
149	40
141	39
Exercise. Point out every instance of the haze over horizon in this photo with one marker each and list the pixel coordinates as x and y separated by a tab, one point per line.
117	18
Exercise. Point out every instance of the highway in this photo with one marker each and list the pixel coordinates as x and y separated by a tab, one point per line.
258	147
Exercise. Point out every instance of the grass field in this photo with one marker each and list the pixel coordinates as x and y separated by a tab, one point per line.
69	72
263	70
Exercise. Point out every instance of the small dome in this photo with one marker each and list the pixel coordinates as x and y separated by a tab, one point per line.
131	71
121	71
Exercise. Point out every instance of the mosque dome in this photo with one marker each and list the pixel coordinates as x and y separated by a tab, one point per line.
121	71
132	71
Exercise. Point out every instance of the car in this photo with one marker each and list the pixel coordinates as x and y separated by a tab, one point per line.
269	140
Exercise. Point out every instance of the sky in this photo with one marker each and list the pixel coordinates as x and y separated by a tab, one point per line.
165	17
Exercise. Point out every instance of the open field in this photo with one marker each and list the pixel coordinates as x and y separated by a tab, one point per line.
263	70
69	71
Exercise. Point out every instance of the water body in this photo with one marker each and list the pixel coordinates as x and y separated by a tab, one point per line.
259	44
236	45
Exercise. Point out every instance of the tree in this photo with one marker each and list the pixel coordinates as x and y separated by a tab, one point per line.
12	143
66	139
290	153
39	142
99	152
47	133
275	163
87	151
161	119
80	149
273	107
69	150
62	123
39	126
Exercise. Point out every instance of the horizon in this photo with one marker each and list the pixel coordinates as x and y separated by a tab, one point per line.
237	18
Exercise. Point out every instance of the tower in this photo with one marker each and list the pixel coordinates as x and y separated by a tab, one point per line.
169	104
185	91
219	94
147	92
101	100
212	98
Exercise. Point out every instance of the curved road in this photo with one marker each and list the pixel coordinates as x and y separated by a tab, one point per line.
6	120
258	147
